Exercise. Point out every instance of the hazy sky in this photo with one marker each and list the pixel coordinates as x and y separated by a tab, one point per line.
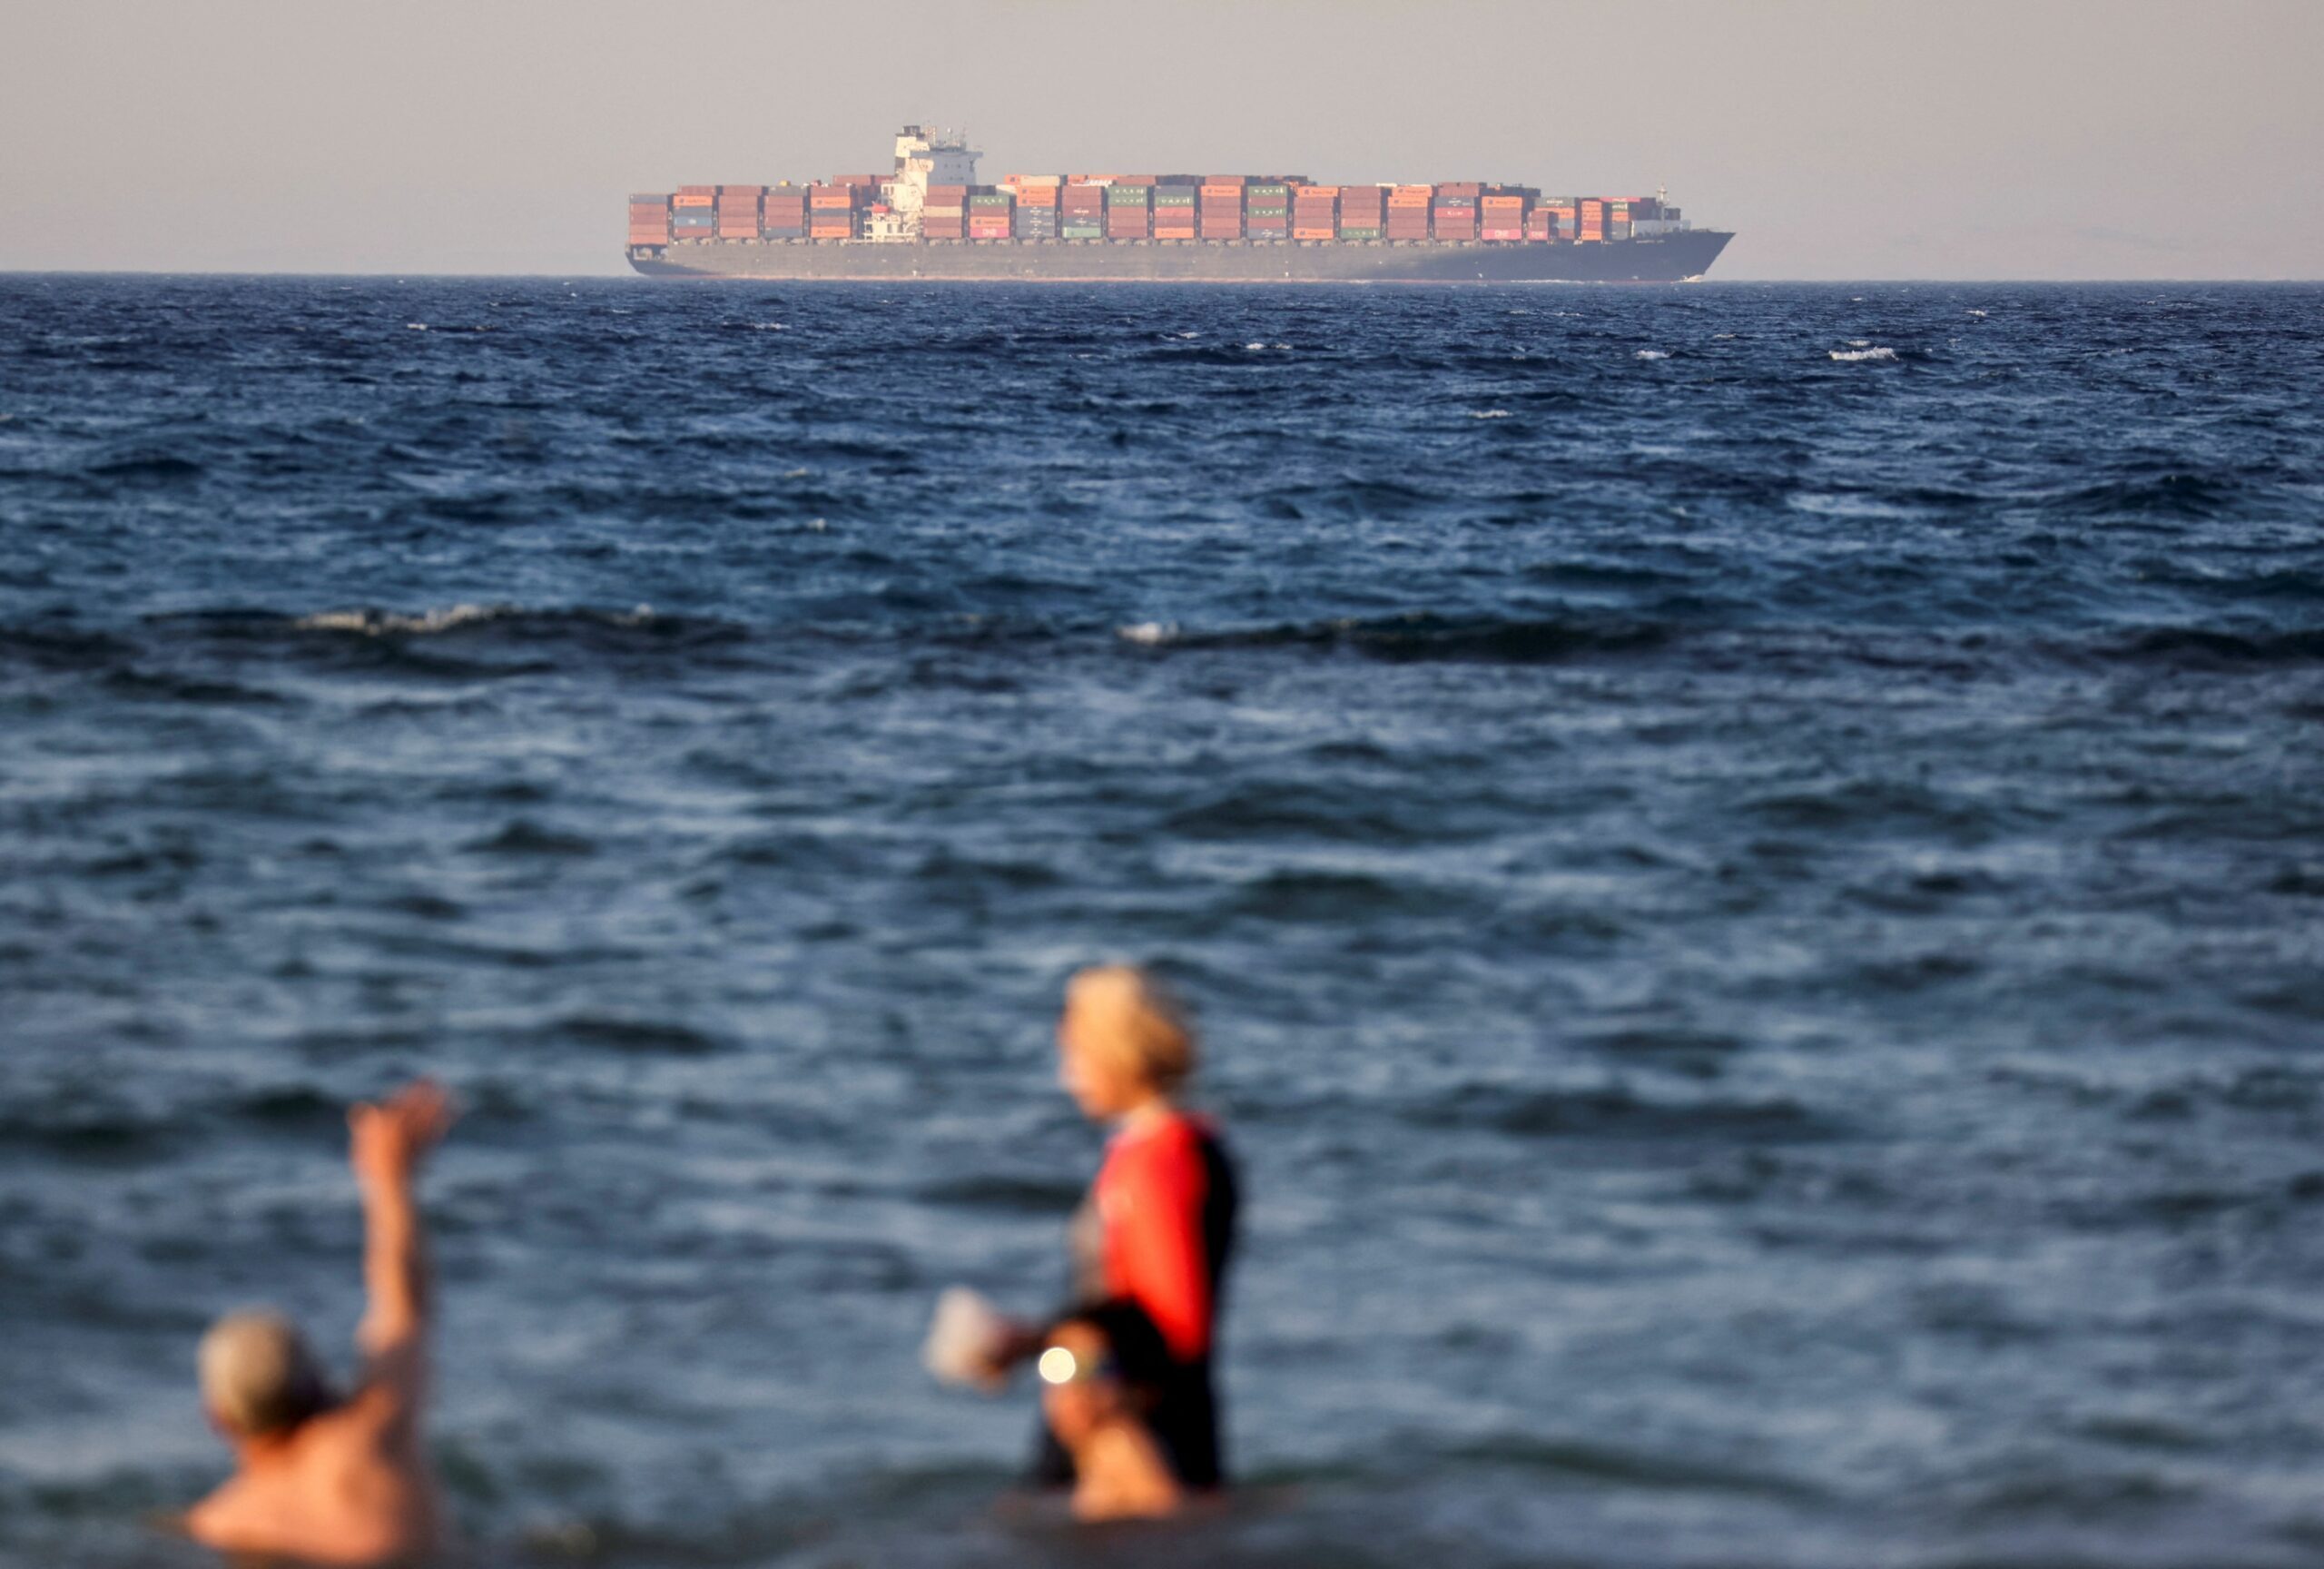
1841	138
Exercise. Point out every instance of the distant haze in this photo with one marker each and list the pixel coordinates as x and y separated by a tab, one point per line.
1880	139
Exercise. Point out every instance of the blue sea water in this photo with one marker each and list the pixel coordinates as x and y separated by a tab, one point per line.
1752	859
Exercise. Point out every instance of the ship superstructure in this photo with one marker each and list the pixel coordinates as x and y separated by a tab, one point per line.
929	218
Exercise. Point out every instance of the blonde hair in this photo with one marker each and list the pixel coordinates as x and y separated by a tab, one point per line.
1133	1018
258	1375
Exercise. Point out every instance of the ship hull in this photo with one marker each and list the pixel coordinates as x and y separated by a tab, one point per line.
1659	259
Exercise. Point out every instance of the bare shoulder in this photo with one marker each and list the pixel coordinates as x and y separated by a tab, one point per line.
232	1517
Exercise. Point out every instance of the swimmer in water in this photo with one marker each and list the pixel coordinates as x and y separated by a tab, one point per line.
318	1477
1157	1229
1102	1371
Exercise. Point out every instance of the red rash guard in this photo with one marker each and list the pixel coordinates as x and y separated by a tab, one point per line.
1152	1192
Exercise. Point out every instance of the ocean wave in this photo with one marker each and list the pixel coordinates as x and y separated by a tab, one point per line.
484	634
632	1033
2219	649
157	467
375	623
1616	1112
1870	353
1422	636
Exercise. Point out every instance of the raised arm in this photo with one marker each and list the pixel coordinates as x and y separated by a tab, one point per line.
387	1141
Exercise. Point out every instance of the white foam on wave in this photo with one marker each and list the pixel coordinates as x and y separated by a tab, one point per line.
1653	354
1149	634
1976	312
767	326
416	326
1255	347
1858	355
1488	413
387	623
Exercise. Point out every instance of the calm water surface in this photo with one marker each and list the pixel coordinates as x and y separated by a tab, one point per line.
1753	858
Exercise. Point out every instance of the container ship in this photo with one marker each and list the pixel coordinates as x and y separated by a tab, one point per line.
930	219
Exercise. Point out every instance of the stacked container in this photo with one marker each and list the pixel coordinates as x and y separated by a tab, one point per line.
1266	210
945	213
1127	215
1174	211
1453	211
1082	212
1408	213
783	213
1217	207
693	213
649	219
738	211
1036	213
1315	213
1221	206
990	215
1501	215
830	212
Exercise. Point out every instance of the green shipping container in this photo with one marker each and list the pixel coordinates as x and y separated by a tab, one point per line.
1082	232
1359	233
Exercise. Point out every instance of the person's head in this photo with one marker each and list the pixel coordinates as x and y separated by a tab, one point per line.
1100	1365
259	1379
1122	1041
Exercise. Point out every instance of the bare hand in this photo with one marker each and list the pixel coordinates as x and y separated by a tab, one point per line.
387	1140
1018	1341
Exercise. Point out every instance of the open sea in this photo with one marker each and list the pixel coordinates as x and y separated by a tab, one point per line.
1752	859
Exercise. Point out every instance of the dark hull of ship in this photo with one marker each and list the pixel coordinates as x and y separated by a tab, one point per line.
1661	259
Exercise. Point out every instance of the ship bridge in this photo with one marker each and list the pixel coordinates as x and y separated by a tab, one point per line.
925	157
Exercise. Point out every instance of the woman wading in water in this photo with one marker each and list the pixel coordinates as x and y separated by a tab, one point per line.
1155	1234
